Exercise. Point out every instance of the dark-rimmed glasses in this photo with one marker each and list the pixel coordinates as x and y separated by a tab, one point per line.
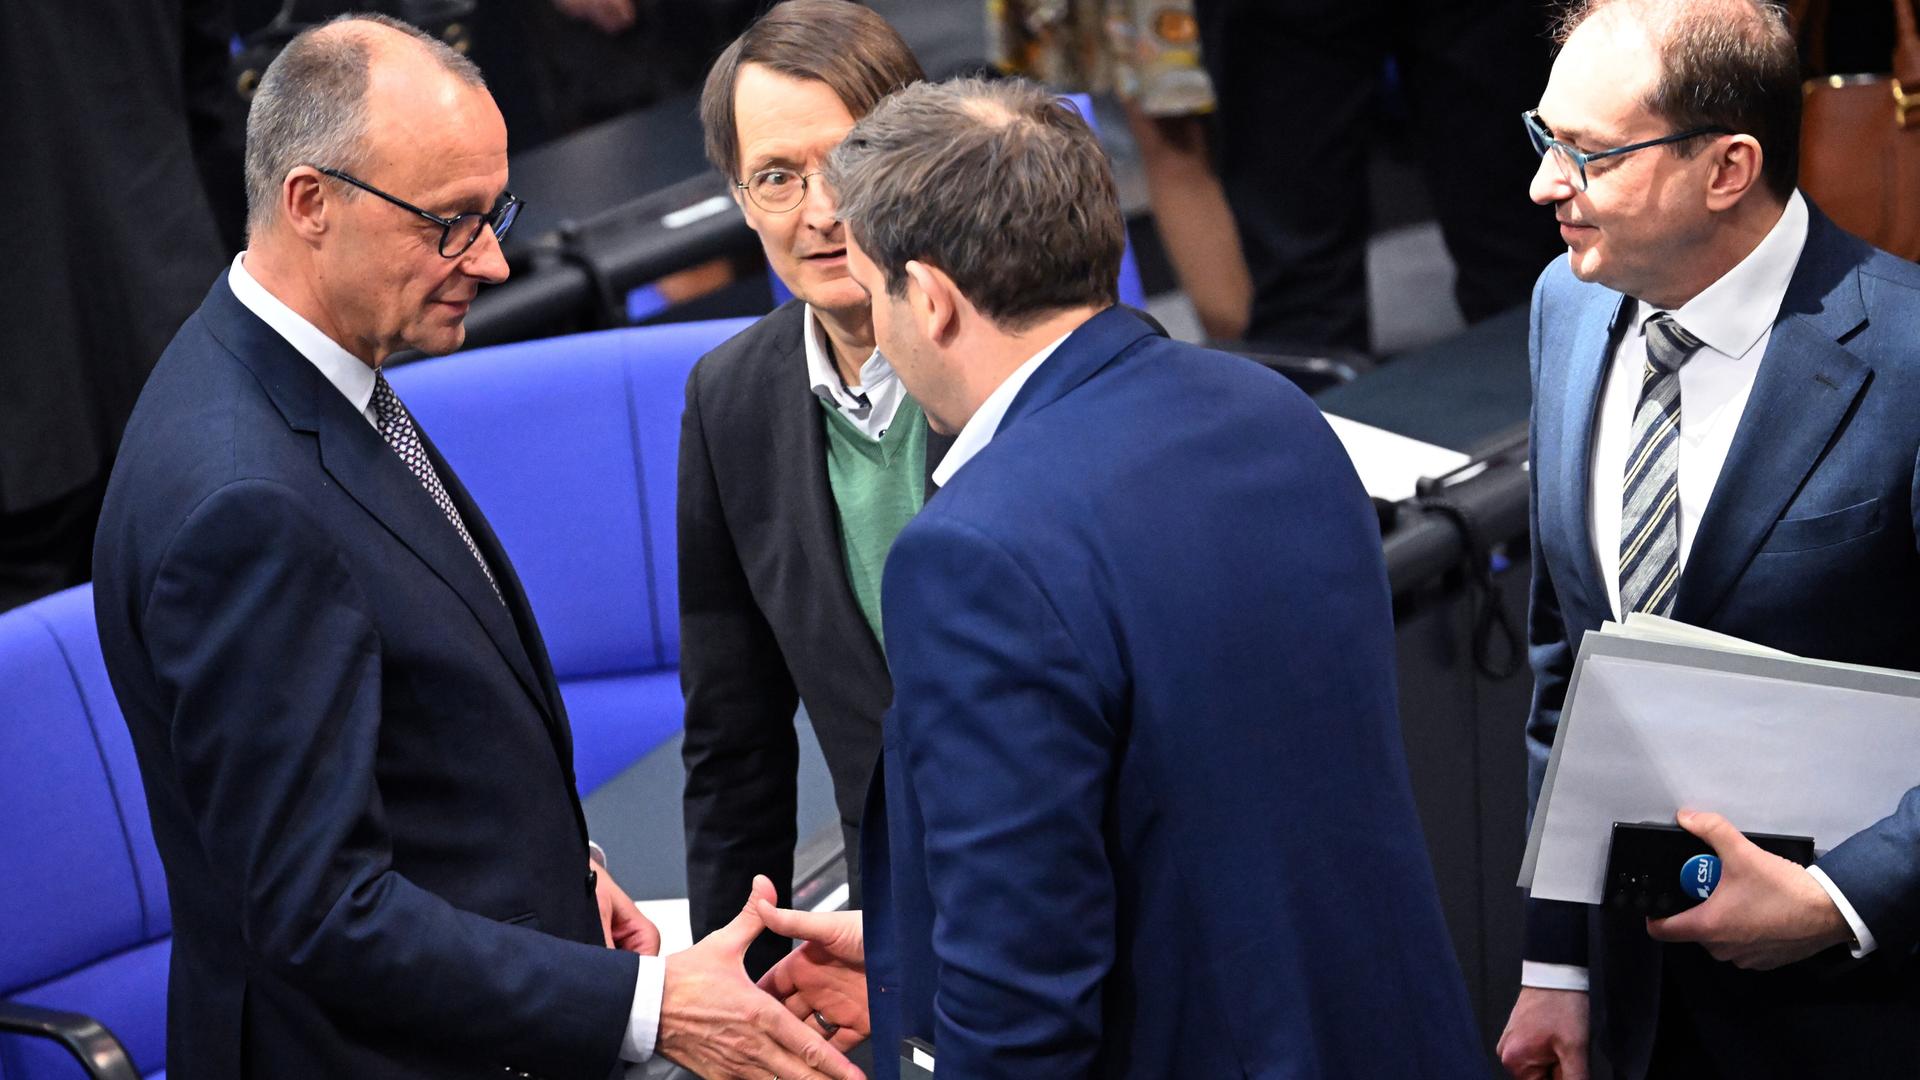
776	190
458	232
1573	163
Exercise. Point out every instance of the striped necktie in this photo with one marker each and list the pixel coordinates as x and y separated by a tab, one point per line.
1650	513
396	426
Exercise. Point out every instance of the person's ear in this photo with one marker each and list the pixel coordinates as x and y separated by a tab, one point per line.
1736	170
306	203
933	301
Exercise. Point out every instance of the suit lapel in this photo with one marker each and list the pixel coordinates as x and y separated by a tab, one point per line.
937	447
1806	387
800	422
368	470
1586	374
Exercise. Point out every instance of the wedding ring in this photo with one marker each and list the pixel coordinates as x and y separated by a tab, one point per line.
827	1027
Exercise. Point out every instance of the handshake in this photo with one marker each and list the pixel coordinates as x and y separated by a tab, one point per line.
795	1025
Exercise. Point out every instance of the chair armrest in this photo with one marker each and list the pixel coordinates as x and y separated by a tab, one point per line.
84	1037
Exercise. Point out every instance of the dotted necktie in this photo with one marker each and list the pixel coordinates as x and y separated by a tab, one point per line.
397	428
1650	517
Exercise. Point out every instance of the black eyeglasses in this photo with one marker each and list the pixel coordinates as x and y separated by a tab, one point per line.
1573	163
776	190
458	232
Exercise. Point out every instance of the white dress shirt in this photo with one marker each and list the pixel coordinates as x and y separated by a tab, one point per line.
1734	317
354	379
871	406
980	428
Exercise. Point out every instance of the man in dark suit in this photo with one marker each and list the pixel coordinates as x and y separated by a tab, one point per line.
801	457
1726	421
1144	809
355	755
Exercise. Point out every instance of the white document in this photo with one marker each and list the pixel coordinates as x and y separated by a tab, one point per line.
1661	716
674	921
1389	465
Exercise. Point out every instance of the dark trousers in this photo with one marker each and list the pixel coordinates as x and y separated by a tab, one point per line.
49	547
1827	1018
1299	83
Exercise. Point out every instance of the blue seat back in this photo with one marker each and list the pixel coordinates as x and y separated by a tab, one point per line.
570	445
86	923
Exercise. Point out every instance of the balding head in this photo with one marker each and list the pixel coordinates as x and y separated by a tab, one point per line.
315	103
1720	63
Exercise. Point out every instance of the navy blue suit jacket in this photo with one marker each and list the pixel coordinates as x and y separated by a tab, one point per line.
1807	545
1146	809
355	755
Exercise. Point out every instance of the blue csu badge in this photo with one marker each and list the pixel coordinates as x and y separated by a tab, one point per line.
1700	874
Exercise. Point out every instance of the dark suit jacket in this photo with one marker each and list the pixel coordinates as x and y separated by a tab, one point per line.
356	757
767	619
1808	545
1144	809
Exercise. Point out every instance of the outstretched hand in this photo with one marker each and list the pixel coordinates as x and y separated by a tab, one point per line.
621	923
825	976
714	1021
1767	911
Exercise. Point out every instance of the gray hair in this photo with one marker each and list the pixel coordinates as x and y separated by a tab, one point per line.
311	105
999	184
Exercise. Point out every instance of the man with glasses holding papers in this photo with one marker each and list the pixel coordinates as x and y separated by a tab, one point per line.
1726	421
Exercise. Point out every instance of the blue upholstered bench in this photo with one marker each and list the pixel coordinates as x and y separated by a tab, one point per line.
571	447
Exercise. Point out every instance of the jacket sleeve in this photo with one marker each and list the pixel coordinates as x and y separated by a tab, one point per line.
271	668
1555	931
1009	752
1875	868
741	753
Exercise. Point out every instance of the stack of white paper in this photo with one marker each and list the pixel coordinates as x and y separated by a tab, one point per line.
1662	716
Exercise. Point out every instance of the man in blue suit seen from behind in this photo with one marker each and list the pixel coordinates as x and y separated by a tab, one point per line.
1726	415
1143	808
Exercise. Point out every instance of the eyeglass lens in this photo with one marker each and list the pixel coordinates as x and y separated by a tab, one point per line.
777	189
465	229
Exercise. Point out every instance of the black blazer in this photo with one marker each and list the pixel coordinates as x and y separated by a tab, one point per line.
767	619
355	755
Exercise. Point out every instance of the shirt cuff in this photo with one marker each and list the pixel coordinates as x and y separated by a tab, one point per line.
1863	942
1552	976
643	1026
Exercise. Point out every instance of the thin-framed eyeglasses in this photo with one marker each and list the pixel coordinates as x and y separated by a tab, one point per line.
1573	163
776	190
458	232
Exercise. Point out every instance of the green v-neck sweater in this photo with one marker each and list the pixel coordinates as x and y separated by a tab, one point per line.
878	485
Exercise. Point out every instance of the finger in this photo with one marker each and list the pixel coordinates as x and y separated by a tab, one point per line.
739	933
846	1039
1717	831
805	1044
1573	1064
1682	927
817	926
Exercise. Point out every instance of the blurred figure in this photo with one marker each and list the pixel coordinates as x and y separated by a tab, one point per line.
801	457
1146	54
1299	83
113	126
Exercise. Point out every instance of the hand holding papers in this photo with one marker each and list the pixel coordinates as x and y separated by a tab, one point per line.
1662	717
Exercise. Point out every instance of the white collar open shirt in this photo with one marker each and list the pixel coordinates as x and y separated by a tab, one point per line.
979	430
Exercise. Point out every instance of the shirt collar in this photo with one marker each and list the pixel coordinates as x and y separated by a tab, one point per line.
1733	313
343	369
985	422
825	378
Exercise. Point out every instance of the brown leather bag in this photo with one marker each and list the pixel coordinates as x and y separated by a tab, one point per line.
1860	135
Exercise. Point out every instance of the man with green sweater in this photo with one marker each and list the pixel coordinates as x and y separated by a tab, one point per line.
801	458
